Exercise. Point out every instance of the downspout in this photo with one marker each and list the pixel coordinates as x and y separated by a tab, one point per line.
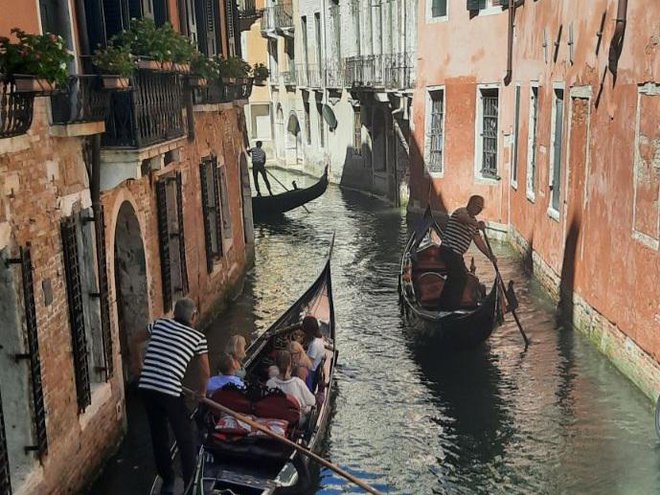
509	51
617	39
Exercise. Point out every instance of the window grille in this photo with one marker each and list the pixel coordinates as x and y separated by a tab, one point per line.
33	355
76	315
224	200
531	174
557	148
211	211
436	132
182	243
5	479
102	263
164	244
489	133
218	215
516	129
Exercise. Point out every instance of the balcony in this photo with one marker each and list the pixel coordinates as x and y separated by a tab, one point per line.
334	75
218	92
390	71
308	76
277	19
15	110
399	70
82	101
151	113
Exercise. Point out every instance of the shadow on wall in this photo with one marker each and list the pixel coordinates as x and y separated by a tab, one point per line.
567	281
427	191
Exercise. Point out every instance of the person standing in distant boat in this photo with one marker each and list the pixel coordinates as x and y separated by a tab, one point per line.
259	166
462	228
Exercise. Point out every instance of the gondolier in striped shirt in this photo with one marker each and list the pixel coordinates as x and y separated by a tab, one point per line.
462	228
259	167
173	344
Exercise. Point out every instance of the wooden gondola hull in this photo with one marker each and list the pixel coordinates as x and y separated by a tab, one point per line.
264	207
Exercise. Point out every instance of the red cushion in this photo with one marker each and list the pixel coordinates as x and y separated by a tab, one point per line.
429	260
233	399
428	288
278	406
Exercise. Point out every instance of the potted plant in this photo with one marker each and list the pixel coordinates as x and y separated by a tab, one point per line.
202	69
36	62
116	64
181	48
144	40
233	68
260	73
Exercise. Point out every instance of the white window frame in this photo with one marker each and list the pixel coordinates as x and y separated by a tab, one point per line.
429	13
532	139
491	9
478	128
427	128
552	212
515	136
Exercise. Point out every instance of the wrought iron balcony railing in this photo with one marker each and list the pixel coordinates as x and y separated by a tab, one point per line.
390	71
151	113
223	92
83	99
399	70
15	110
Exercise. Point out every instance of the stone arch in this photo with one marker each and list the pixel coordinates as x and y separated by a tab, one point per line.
131	286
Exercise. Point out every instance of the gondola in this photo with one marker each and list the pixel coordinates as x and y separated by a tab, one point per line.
264	207
421	279
256	464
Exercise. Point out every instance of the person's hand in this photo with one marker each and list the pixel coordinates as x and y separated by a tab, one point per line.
481	225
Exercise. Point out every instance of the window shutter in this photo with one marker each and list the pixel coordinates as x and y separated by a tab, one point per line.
114	13
205	215
164	243
202	36
33	348
218	210
5	480
182	241
76	315
473	4
104	299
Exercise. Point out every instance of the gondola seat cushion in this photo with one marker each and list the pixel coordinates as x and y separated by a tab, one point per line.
227	427
234	399
429	287
429	260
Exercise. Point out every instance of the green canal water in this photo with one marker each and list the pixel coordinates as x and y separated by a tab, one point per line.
557	419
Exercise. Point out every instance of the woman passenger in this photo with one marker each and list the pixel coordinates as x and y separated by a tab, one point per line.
291	385
235	348
301	364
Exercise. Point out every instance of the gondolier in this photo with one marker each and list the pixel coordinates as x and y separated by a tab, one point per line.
259	166
173	344
462	228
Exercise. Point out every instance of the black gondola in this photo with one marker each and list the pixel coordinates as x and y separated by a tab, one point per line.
268	206
260	465
463	328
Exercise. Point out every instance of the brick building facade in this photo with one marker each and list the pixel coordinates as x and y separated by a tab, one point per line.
558	131
104	223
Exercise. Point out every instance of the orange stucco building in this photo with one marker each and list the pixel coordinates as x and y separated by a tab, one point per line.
550	110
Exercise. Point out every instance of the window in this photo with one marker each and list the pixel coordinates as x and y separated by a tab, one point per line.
224	203
516	127
208	170
481	5
435	130
487	133
174	273
531	141
438	8
319	109
357	131
555	160
84	310
308	124
274	61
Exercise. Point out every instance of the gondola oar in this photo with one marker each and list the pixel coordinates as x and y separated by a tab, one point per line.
219	407
510	303
285	188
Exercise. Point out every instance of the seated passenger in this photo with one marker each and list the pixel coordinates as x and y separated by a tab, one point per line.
301	364
226	374
235	348
293	386
315	347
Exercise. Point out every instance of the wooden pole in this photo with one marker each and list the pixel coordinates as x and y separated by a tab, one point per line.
299	448
278	181
503	288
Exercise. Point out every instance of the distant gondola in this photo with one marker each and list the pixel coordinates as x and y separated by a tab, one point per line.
256	464
268	206
421	280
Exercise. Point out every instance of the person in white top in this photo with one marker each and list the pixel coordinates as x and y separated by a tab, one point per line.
291	385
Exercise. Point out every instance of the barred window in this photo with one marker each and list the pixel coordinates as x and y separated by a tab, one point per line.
357	131
211	211
436	132
531	141
488	131
516	128
557	147
224	203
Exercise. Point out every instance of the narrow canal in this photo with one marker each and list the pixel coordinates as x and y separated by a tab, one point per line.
556	419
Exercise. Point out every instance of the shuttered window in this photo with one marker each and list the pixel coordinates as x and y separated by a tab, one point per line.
104	301
5	480
174	274
211	210
76	313
33	356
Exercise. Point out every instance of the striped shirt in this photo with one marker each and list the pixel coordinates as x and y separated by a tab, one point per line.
457	236
258	155
171	347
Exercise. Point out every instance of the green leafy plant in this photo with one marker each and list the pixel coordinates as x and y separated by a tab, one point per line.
43	56
234	67
260	72
204	66
115	60
163	44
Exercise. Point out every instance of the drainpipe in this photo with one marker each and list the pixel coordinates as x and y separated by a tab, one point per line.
617	39
509	52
